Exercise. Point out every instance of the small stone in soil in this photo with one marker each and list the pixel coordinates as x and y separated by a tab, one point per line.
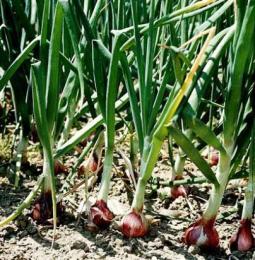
99	236
22	234
78	244
77	254
193	250
31	229
158	244
127	249
151	244
12	240
10	230
119	242
165	249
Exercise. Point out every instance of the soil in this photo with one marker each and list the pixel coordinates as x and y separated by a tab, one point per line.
77	239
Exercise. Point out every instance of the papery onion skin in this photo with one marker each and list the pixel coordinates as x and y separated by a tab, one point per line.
243	239
42	210
202	234
134	224
59	168
178	191
100	214
214	158
91	165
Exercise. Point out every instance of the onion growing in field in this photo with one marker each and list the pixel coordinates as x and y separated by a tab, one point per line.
202	233
177	174
42	211
235	113
243	239
134	224
178	191
100	214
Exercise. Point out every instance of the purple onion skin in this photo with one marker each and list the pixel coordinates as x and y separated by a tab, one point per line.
214	159
202	234
134	224
243	239
179	191
100	214
42	210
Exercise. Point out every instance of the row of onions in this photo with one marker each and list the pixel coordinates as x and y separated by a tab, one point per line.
181	71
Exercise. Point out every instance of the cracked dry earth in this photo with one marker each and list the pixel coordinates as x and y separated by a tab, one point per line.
23	239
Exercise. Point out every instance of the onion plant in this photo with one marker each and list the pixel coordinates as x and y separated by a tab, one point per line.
203	232
14	54
138	227
182	70
199	91
49	114
99	212
45	111
61	59
154	130
243	239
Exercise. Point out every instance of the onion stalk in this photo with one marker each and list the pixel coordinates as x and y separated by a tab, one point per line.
100	214
42	210
45	112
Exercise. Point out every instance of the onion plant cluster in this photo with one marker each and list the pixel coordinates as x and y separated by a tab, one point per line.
180	72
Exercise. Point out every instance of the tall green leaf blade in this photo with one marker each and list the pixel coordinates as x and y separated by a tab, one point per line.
43	43
111	95
52	87
140	61
99	78
204	132
193	154
18	62
133	100
84	89
243	49
148	88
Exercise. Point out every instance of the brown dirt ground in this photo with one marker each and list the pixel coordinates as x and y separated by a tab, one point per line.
23	239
